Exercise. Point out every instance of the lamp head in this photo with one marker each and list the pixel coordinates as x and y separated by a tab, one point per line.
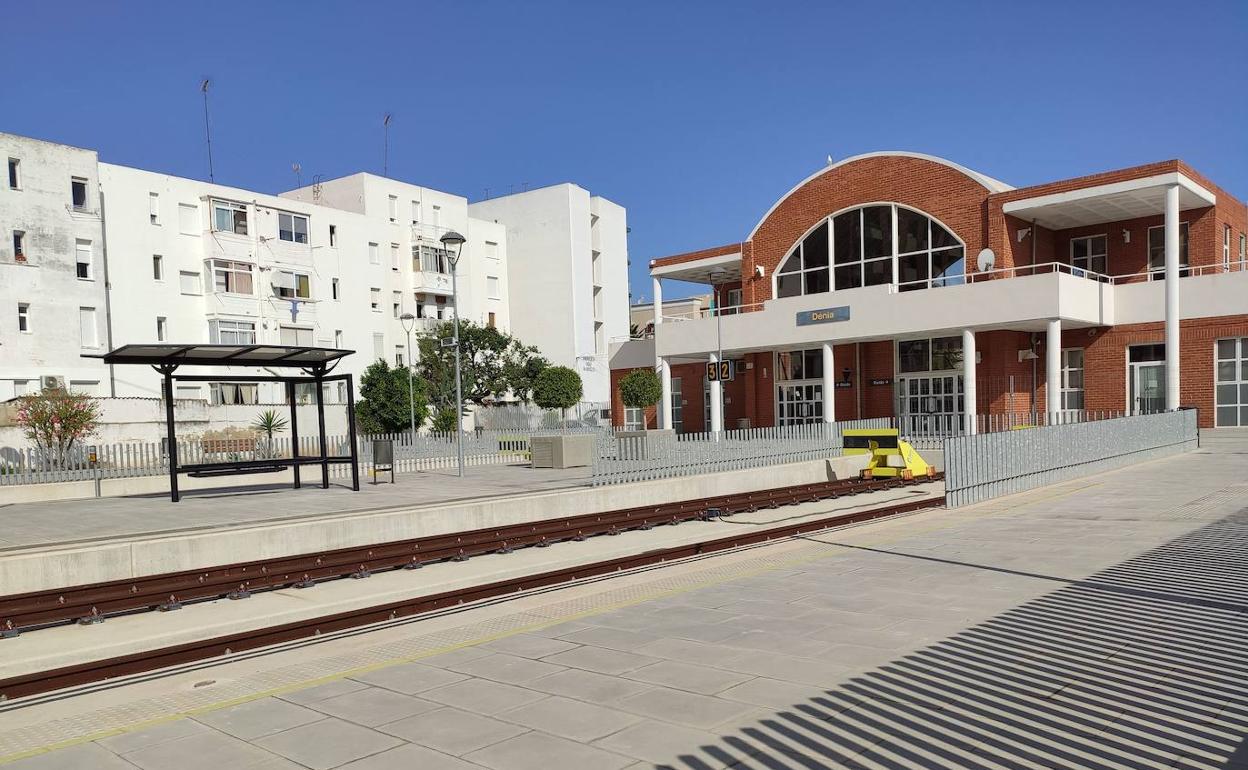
451	238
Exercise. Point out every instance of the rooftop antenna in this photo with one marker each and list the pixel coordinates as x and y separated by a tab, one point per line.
385	153
207	130
298	169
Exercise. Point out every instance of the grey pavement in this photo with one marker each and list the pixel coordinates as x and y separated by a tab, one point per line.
1100	625
24	525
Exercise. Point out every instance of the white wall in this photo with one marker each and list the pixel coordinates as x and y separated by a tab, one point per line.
48	281
552	237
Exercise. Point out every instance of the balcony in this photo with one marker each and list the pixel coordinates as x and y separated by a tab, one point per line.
1031	296
431	282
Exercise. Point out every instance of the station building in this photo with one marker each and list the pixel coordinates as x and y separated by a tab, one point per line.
895	284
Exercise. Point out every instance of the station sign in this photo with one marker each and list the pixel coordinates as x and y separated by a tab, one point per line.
721	371
823	316
883	381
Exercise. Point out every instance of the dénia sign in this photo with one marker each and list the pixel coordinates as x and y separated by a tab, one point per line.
823	316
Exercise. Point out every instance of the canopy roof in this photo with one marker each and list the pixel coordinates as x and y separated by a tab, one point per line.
294	356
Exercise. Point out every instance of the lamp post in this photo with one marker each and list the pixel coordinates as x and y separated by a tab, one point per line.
409	321
717	388
451	238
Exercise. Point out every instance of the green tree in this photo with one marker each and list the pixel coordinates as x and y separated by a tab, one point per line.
558	387
55	420
269	422
640	388
383	406
492	364
444	420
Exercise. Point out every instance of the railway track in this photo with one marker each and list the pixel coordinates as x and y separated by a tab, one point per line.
91	603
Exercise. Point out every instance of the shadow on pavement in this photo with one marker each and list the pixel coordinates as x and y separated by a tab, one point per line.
1143	665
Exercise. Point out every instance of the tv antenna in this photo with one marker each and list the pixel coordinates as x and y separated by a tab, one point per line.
298	169
207	129
385	152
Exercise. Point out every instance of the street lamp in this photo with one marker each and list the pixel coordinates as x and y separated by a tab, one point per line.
451	238
409	321
717	278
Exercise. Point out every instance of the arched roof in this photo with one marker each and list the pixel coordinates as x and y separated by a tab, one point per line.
988	183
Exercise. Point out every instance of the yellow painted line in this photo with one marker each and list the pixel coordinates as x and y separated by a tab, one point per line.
303	685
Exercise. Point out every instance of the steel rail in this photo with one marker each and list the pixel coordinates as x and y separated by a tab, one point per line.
111	668
168	591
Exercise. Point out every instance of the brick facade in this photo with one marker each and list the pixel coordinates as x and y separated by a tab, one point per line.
974	213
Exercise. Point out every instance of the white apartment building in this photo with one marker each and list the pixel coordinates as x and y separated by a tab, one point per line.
568	268
332	264
52	268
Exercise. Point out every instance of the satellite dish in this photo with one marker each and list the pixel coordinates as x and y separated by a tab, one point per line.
985	261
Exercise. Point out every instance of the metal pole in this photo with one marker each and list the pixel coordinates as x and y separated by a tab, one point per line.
320	422
291	397
411	399
355	449
173	438
459	398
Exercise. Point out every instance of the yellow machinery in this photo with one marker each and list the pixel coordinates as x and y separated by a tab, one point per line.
884	444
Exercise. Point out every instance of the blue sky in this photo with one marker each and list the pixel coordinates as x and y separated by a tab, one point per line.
696	116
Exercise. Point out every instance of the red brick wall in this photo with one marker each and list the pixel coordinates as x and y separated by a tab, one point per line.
945	193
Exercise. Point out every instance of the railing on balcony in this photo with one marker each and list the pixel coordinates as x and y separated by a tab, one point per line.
425	233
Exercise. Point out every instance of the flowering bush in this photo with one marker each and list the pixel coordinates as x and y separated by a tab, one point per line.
54	420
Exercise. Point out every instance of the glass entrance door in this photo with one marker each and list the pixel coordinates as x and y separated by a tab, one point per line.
930	405
1148	388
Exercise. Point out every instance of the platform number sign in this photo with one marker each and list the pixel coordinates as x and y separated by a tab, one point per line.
720	371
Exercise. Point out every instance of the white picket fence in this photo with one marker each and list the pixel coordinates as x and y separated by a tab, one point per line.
426	451
626	459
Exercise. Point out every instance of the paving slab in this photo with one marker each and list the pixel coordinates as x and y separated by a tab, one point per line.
328	743
453	731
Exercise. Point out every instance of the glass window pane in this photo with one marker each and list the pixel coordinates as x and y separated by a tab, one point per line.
946	353
912	356
912	268
1226	416
1226	394
1243	394
942	238
817	281
1226	371
1226	349
877	224
848	276
846	235
815	248
1098	245
877	271
813	364
789	285
911	231
948	267
1078	248
793	262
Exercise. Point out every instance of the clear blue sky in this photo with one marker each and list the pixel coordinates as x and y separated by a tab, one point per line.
696	116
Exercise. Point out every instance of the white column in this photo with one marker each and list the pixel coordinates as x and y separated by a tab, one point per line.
969	424
717	401
665	401
1053	368
1172	297
829	384
657	285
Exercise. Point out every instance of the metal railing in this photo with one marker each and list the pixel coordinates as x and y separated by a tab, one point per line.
989	465
930	431
654	455
425	451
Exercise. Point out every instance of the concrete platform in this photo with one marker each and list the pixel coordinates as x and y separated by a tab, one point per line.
71	645
1094	624
97	540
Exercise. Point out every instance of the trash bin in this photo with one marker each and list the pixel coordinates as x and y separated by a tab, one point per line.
383	458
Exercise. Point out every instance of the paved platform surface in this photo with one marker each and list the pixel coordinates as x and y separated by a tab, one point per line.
1095	624
25	525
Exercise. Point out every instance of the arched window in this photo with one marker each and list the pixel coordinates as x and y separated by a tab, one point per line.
872	245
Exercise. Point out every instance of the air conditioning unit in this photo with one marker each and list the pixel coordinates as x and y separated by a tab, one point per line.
52	382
